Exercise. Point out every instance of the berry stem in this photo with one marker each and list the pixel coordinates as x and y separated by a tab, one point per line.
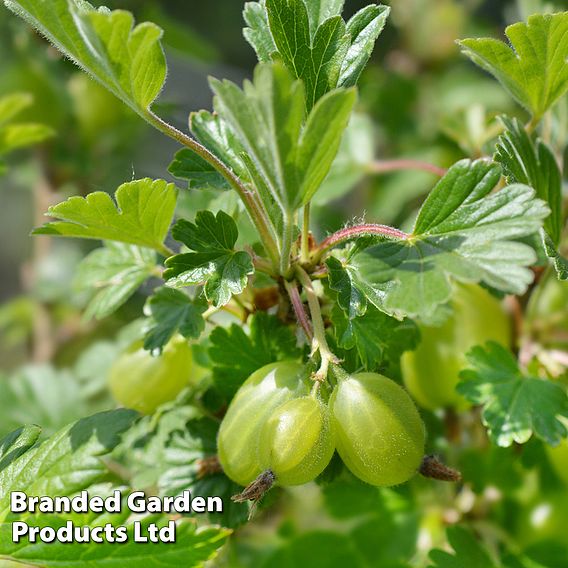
319	342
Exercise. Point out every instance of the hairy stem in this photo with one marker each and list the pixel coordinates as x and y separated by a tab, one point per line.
350	233
319	342
305	251
387	166
252	204
286	243
298	307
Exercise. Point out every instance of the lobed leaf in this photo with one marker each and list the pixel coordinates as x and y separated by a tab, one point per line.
534	68
126	59
377	337
236	355
214	263
463	231
515	406
171	311
141	215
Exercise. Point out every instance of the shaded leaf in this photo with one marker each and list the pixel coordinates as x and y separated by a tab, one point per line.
532	163
467	552
236	354
515	406
66	463
17	443
172	311
376	336
199	173
214	263
115	272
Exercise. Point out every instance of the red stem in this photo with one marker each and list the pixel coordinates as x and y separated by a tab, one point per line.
350	233
299	310
386	166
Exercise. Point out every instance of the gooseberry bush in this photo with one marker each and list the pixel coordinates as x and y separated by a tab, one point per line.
269	355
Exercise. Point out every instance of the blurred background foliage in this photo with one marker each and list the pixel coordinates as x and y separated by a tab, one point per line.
419	100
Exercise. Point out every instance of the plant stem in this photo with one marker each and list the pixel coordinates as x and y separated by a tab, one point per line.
387	166
350	233
305	251
286	244
249	198
298	307
319	342
166	251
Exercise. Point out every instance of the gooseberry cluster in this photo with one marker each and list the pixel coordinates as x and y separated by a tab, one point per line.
279	423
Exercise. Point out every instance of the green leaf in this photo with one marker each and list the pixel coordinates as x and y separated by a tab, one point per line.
267	120
199	173
376	336
41	394
258	32
532	163
313	41
287	160
321	139
216	135
12	105
15	136
17	443
534	68
559	262
141	215
184	457
364	28
235	354
115	271
18	135
193	546
515	406
467	552
463	232
318	61
68	462
172	311
127	60
321	10
214	263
